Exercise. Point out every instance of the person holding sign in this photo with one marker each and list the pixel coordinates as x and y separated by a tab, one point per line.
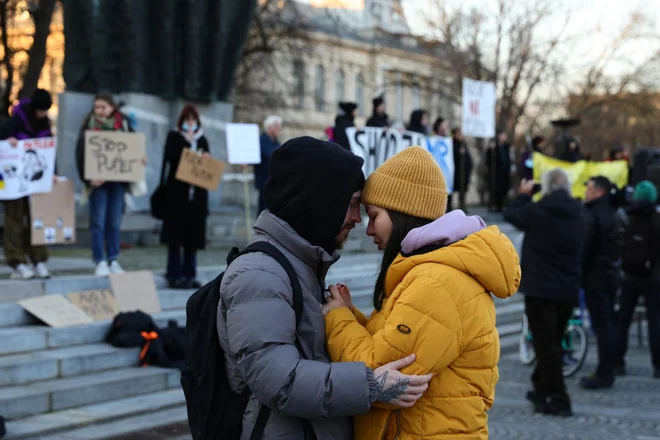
184	222
269	142
29	121
106	199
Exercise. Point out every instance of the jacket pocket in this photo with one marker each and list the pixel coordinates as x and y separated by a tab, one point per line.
392	426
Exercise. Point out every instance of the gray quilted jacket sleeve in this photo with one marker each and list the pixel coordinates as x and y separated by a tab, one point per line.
261	331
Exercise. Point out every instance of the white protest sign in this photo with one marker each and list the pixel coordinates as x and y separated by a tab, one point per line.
55	310
442	149
478	108
27	168
243	146
376	145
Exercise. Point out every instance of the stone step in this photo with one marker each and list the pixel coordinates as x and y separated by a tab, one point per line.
64	362
60	394
125	426
31	338
51	424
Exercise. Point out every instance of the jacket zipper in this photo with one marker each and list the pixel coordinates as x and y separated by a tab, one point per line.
398	424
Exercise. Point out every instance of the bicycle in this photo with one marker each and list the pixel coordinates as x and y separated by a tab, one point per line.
575	343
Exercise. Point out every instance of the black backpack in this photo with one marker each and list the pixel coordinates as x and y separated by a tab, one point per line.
214	410
637	250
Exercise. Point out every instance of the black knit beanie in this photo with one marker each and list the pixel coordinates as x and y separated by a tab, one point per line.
41	100
310	187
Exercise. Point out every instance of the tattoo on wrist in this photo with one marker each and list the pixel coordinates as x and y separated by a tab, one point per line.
387	393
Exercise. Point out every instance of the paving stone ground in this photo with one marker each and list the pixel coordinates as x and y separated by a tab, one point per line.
629	411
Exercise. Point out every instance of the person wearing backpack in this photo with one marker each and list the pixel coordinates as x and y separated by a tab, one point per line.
639	224
274	346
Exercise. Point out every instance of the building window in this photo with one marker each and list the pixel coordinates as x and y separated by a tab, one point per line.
416	96
340	86
359	93
298	84
319	90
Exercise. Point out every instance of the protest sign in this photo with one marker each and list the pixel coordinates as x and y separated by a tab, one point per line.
442	149
53	215
55	310
97	304
376	145
135	291
243	146
27	168
581	171
478	108
114	156
198	170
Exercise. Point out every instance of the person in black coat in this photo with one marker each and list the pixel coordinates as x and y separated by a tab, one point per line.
498	162
639	226
419	122
600	277
379	118
184	223
551	277
344	120
572	152
462	169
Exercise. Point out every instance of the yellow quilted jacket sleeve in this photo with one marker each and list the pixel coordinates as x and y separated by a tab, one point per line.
424	320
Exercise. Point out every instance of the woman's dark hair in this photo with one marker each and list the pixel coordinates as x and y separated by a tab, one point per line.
402	224
538	140
106	97
437	124
188	111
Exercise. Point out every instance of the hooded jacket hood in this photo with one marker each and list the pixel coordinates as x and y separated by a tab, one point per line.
310	187
488	256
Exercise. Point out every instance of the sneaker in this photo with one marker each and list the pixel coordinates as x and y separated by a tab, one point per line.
42	270
22	272
594	382
177	283
115	267
102	269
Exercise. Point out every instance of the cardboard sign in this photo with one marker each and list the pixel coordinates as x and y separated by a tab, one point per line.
55	310
53	215
27	168
114	156
198	170
97	304
135	291
243	145
479	98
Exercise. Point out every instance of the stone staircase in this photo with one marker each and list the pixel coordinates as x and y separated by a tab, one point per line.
68	384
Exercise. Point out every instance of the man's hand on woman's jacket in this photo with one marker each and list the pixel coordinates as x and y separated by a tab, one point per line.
399	389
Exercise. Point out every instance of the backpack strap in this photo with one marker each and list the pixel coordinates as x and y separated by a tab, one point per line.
270	250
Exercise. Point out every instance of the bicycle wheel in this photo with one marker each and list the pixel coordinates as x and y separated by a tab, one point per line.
525	348
574	347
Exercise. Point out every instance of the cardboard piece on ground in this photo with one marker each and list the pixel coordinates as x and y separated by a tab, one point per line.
115	156
135	291
198	170
54	215
97	304
243	146
55	310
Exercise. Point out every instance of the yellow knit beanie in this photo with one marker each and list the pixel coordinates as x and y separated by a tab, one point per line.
409	182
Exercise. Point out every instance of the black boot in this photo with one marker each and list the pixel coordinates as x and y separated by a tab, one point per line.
537	400
557	407
594	382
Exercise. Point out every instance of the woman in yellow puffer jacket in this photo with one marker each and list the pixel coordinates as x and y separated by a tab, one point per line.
432	298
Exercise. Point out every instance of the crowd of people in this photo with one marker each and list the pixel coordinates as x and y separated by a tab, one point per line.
609	252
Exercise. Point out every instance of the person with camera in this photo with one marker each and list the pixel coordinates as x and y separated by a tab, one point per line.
551	276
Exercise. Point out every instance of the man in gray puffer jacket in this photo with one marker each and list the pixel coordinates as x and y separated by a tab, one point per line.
314	195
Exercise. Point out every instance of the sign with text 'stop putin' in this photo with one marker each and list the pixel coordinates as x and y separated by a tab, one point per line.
479	99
